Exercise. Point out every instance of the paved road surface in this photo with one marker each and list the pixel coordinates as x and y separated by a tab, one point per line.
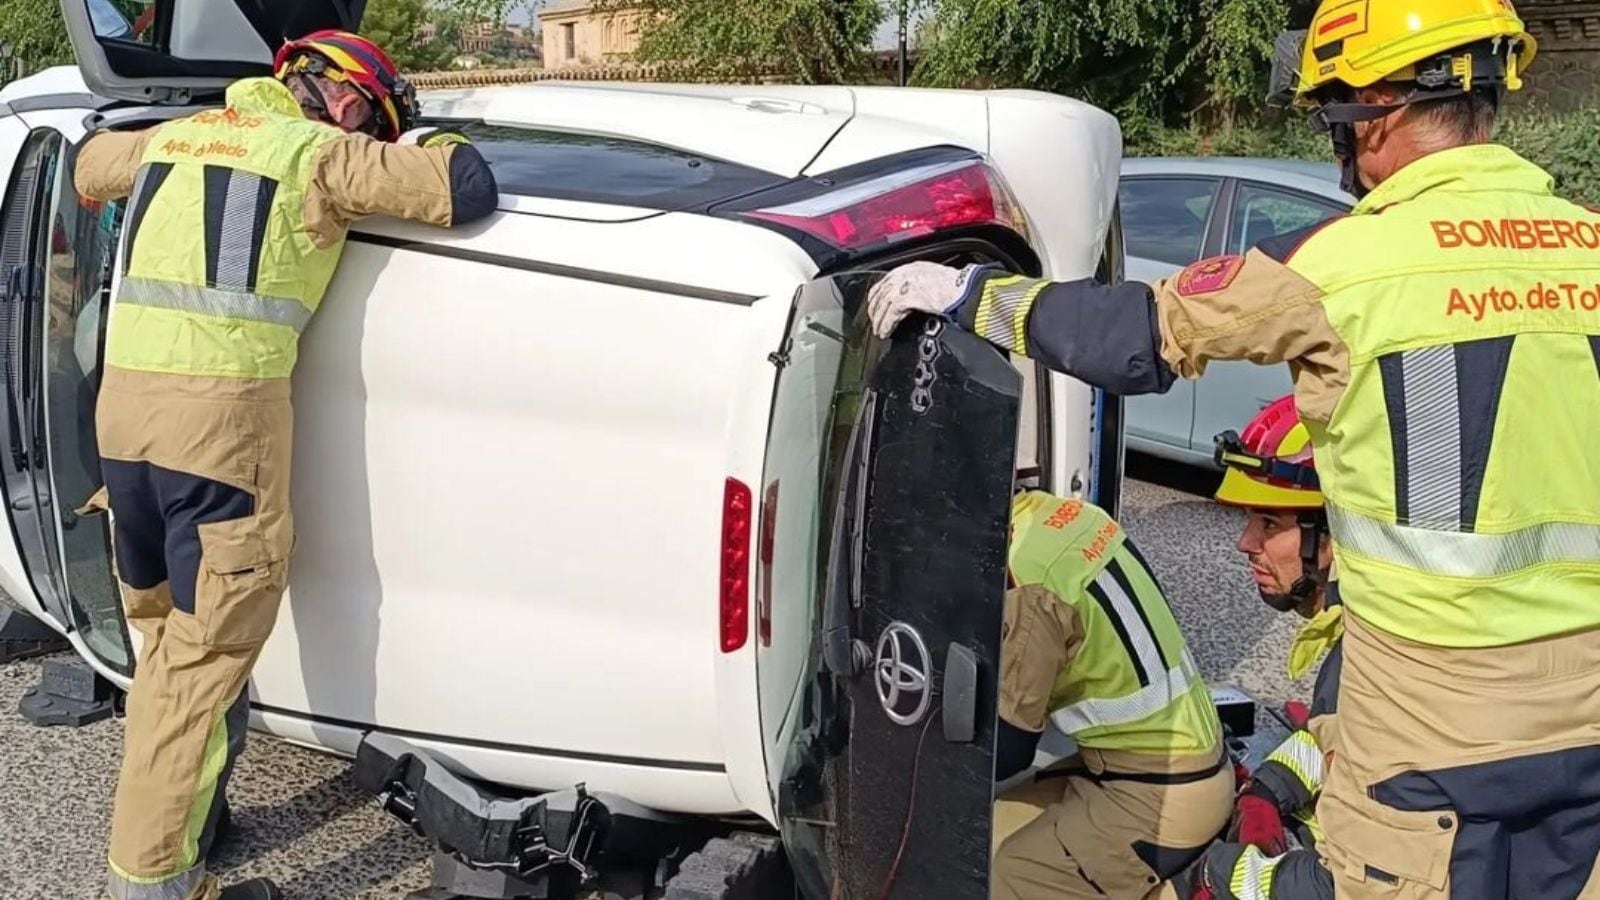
300	820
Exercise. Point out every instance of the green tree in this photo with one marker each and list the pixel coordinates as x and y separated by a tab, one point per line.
32	34
805	41
1149	61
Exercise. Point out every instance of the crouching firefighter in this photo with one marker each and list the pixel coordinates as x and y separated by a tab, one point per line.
1271	474
235	224
1090	644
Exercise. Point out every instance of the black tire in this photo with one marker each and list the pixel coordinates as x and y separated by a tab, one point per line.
742	866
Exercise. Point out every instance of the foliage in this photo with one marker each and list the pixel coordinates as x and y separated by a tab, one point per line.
805	41
394	24
1563	144
1151	61
33	34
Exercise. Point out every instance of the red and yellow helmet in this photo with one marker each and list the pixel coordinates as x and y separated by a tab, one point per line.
1271	466
345	56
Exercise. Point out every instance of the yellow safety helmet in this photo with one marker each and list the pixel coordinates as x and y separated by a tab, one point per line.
1430	42
1271	466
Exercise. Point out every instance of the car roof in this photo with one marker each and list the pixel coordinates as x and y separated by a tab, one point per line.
1312	177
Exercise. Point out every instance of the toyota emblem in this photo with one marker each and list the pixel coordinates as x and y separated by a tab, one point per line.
901	672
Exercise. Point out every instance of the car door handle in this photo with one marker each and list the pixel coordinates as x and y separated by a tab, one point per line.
960	695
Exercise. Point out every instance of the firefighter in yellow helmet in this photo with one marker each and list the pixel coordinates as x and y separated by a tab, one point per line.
235	221
1271	474
1090	644
1444	340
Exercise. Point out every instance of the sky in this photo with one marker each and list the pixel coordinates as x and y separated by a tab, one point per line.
887	37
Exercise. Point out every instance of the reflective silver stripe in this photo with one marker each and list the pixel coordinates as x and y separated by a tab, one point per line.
178	887
1252	875
1003	309
197	298
1301	755
1144	643
1463	554
1099	713
1433	438
236	246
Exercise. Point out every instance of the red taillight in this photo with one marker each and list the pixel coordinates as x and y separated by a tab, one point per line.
890	209
735	594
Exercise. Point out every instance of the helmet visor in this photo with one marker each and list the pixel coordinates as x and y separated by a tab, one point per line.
1283	86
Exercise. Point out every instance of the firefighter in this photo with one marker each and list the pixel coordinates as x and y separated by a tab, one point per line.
236	219
1090	645
1271	474
1444	341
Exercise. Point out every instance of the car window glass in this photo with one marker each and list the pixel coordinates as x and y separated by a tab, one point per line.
83	242
597	169
1164	219
1261	212
124	20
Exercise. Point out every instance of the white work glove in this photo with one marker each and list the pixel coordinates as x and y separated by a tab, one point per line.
425	137
916	287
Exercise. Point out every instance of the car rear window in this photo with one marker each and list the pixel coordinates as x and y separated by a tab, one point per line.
597	169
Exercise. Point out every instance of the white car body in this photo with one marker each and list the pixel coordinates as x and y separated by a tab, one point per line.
512	441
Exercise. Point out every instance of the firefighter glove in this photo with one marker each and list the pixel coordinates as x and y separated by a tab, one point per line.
433	137
1259	823
923	287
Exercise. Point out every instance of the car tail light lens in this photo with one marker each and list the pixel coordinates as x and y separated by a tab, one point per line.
735	594
904	205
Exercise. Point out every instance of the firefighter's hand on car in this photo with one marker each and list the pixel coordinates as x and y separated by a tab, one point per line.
923	287
1258	823
432	137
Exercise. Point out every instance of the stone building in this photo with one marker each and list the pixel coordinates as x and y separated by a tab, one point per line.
1567	73
576	34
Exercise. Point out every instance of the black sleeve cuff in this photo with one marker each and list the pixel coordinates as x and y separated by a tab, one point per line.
1277	785
1013	750
473	191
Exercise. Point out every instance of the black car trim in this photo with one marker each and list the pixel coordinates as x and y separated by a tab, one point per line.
560	271
641	761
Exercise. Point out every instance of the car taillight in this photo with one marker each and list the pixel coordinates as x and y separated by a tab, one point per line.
904	205
735	593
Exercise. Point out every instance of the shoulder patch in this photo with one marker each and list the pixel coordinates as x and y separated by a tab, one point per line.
1209	275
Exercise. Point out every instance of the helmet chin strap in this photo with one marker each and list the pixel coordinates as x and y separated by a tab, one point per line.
1343	136
1311	577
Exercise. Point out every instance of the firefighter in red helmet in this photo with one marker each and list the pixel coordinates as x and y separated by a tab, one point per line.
236	220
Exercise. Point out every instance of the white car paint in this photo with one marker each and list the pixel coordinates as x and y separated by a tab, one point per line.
509	482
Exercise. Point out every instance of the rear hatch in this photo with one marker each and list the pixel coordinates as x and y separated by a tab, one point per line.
182	51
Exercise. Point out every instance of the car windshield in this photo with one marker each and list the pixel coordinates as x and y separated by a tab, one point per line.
594	168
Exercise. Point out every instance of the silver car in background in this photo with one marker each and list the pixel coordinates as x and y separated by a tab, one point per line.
1177	211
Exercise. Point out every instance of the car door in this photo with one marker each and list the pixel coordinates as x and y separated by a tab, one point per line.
1165	221
182	51
890	468
1231	393
56	255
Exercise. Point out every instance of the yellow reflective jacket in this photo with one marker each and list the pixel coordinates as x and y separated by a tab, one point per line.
1444	340
1090	641
236	221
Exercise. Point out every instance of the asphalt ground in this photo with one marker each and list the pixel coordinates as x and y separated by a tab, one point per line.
299	819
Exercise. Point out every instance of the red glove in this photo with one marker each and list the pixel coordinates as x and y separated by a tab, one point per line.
1297	713
1260	824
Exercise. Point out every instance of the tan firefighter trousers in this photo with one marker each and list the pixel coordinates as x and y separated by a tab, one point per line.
197	478
1465	773
1076	831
